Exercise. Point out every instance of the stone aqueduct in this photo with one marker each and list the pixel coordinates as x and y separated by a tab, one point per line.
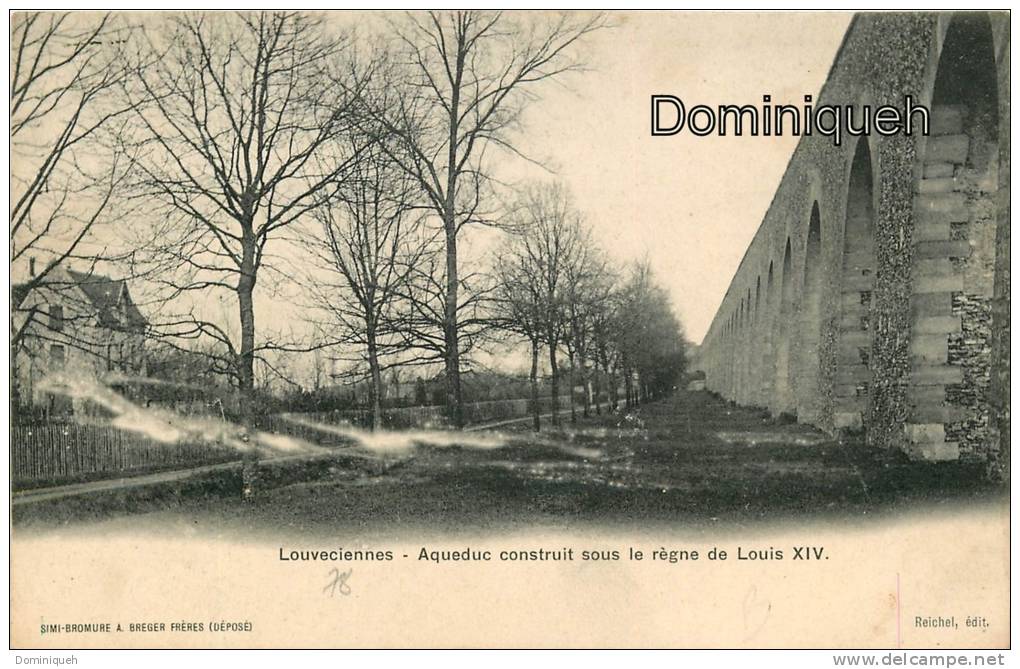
874	296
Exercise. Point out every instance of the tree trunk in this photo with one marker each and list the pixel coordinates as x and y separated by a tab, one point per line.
554	379
246	359
535	405
17	401
628	385
597	388
246	356
454	407
570	394
375	386
586	384
614	390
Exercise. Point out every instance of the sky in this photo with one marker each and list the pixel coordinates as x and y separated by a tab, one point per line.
690	204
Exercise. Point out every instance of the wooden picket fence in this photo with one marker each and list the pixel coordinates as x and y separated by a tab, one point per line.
434	416
62	452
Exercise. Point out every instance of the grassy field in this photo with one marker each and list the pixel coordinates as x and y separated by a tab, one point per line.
690	458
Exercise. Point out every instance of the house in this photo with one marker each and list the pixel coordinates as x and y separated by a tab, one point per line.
83	324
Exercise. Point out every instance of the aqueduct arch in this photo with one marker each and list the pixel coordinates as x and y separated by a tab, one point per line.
749	346
810	323
784	388
954	253
767	362
888	255
857	281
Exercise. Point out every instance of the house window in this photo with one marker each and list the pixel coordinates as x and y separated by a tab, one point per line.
56	318
56	356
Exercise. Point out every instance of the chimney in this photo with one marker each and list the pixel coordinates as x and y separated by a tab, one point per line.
31	266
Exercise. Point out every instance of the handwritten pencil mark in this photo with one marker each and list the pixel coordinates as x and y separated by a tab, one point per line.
338	583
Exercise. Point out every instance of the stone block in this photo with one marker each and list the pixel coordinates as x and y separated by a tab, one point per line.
933	267
937	325
850	300
937	452
942	207
858	282
926	395
847	392
855	338
850	355
937	185
849	404
851	374
939	413
946	120
859	259
854	311
925	433
851	322
936	375
938	284
947	249
847	420
947	149
932	304
932	232
930	348
938	170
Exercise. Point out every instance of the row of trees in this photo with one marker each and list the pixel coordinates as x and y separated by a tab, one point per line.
232	151
557	291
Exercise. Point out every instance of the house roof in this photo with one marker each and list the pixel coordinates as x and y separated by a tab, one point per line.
109	297
19	292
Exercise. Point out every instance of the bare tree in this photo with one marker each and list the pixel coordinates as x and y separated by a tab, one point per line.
467	77
604	332
649	337
421	326
368	243
519	307
549	238
64	176
584	298
239	131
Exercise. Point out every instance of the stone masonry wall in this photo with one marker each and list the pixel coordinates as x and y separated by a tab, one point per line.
909	349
